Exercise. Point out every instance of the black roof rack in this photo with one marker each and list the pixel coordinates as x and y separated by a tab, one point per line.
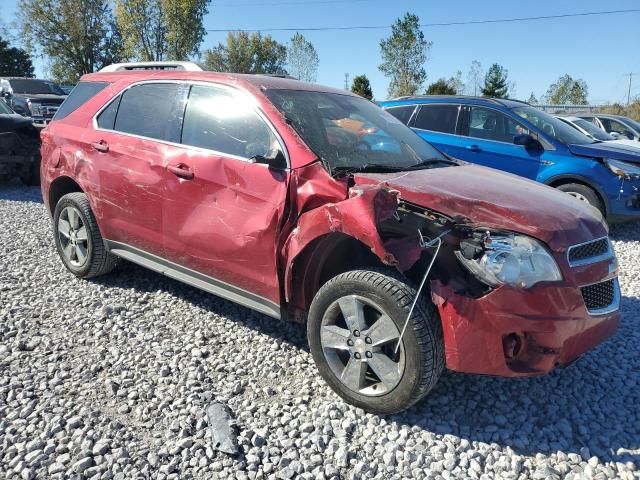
462	97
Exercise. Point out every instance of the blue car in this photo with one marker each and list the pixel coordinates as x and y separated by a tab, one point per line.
515	137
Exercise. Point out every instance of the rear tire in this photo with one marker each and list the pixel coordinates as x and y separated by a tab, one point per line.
583	193
78	239
353	327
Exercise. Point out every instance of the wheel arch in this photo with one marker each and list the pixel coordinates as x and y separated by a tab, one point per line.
323	258
59	188
558	180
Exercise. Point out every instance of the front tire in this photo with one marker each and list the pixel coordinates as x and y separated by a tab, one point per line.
583	193
78	239
353	327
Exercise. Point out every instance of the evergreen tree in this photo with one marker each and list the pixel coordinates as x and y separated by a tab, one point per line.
496	82
362	87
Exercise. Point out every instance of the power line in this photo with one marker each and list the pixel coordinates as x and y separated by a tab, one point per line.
426	25
269	4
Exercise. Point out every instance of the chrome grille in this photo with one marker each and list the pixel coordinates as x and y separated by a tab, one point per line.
589	252
600	296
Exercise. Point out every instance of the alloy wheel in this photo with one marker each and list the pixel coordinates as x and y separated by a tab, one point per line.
580	197
358	341
73	237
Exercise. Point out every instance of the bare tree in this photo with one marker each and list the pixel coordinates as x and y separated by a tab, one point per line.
302	59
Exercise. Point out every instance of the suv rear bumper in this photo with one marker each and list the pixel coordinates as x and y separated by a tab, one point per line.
513	333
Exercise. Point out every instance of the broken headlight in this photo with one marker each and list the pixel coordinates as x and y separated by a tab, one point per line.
511	259
623	169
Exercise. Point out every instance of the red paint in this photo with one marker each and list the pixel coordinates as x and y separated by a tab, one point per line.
252	227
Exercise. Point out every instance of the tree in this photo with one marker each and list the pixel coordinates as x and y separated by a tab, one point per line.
496	83
244	53
155	30
404	54
474	78
361	86
456	83
440	87
14	62
82	36
566	90
302	59
533	100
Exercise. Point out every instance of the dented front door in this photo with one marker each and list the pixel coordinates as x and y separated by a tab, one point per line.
223	221
222	211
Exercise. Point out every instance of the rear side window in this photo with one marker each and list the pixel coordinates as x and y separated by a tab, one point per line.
402	113
107	118
151	110
81	93
217	120
437	118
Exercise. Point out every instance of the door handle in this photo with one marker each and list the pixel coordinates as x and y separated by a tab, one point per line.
473	148
181	170
100	146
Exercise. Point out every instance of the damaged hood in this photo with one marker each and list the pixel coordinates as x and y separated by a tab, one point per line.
488	198
612	150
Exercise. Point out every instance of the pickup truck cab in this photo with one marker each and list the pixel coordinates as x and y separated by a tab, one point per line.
518	138
277	194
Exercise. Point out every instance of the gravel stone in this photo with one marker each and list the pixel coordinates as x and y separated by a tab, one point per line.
111	379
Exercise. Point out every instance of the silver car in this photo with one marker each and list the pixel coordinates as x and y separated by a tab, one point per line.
617	125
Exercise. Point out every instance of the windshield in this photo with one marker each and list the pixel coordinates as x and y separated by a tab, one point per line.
4	108
634	124
32	86
553	127
349	132
592	130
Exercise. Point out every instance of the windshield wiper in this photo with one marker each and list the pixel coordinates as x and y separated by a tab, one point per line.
367	167
428	163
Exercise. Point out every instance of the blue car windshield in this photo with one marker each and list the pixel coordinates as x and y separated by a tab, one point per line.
349	132
553	127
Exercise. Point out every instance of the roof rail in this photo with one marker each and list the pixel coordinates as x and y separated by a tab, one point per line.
120	67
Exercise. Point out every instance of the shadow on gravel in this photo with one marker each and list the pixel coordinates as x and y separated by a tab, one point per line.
129	275
593	403
17	192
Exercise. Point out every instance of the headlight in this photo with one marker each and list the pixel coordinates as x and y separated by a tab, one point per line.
35	109
515	260
623	169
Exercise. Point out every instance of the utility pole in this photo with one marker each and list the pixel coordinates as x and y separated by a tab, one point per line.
346	81
630	75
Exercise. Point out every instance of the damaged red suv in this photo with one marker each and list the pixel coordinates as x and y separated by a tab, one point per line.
310	203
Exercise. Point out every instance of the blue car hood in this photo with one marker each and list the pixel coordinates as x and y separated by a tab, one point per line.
607	150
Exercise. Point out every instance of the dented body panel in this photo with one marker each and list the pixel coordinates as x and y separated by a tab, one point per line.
278	234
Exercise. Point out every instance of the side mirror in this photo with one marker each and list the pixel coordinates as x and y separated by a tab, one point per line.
274	159
615	135
524	140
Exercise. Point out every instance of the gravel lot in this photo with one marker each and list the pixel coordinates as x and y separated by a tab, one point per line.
110	378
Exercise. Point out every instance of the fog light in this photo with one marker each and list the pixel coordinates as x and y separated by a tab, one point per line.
512	345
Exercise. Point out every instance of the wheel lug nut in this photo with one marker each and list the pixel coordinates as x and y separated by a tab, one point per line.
356	333
368	340
350	342
357	355
369	355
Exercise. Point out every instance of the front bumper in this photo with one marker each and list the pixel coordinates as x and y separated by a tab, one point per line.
511	332
625	204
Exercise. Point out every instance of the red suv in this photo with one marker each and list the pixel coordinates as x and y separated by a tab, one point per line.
310	203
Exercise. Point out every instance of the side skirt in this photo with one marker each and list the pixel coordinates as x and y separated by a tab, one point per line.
195	279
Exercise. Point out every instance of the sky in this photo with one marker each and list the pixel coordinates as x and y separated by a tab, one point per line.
599	49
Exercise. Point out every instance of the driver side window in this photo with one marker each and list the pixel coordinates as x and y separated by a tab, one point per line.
490	124
218	120
617	127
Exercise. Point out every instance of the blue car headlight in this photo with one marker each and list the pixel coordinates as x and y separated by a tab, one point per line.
623	169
